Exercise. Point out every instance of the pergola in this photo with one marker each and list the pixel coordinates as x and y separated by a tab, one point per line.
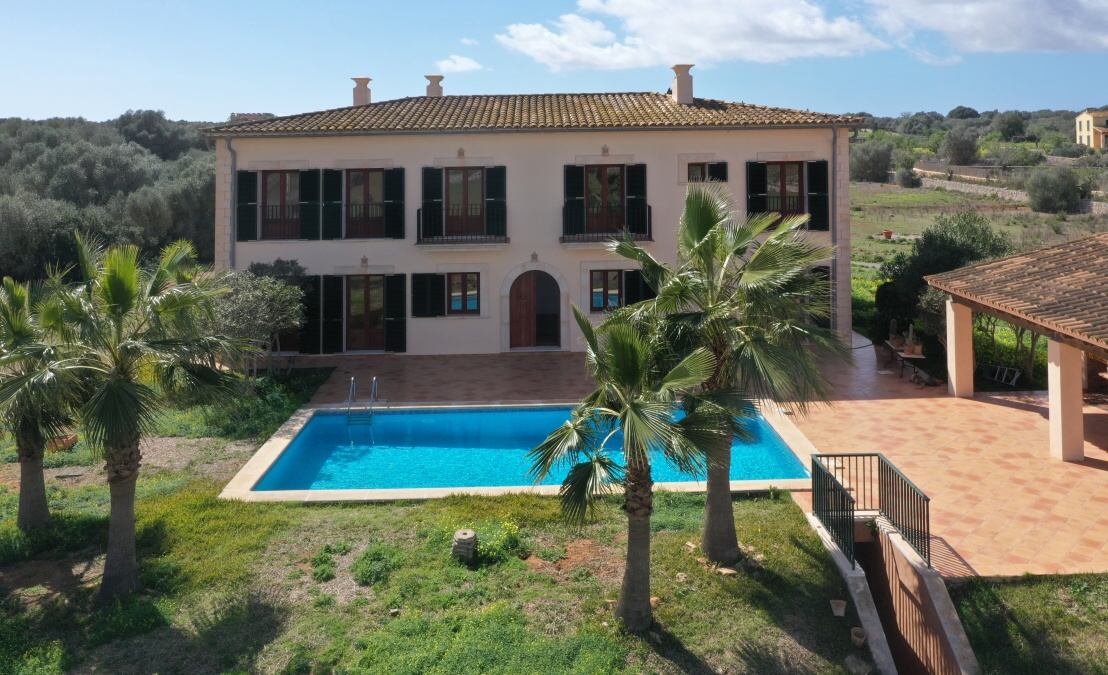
1060	292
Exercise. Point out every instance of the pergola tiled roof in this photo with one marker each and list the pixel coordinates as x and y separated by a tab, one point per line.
530	112
1060	290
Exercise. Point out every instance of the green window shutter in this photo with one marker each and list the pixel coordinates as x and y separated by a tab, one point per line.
396	331
819	198
573	210
431	213
332	204
496	201
755	187
635	288
394	203
717	171
428	295
310	204
313	303
246	206
334	308
638	217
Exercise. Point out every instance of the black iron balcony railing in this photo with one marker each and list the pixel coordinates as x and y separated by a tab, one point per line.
281	221
784	204
844	484
365	221
635	221
433	229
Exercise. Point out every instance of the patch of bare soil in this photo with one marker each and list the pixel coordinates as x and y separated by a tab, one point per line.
287	572
49	582
604	562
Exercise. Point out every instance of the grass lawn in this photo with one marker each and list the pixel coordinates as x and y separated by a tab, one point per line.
1047	624
875	207
233	587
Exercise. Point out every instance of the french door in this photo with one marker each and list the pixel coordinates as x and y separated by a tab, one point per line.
365	312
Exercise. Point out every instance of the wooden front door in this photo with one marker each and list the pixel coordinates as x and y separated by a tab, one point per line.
534	308
365	312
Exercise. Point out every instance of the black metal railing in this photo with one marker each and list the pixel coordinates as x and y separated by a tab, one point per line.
874	484
436	231
834	507
784	204
365	221
637	224
281	221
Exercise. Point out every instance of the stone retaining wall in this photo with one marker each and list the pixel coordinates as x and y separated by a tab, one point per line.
1087	205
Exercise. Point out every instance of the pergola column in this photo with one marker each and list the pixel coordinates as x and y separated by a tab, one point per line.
959	349
1067	424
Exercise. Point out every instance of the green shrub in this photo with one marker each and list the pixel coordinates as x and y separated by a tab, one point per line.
907	178
497	542
960	146
1054	190
870	161
376	563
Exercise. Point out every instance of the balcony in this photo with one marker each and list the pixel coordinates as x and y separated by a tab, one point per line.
605	223
474	224
786	205
365	221
281	221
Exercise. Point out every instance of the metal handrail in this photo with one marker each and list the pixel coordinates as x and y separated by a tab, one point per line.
874	484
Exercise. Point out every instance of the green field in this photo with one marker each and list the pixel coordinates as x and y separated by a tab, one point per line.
876	207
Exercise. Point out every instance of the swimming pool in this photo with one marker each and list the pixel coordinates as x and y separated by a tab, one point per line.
465	448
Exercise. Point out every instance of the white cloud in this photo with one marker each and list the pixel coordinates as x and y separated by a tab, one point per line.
970	26
469	42
456	63
656	32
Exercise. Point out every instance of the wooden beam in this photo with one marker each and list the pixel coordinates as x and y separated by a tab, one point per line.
1087	347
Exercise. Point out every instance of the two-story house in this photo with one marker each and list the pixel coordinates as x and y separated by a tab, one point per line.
1092	128
469	224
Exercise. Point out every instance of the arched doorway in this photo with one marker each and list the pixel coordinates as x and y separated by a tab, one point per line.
534	310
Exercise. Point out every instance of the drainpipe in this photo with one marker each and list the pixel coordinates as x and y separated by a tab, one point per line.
833	197
234	201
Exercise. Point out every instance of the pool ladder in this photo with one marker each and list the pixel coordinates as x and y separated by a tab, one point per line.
360	418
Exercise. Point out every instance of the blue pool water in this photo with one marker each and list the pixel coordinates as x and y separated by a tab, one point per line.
471	447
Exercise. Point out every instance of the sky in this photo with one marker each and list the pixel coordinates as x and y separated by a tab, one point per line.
203	59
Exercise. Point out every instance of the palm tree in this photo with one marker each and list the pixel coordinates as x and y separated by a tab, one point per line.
132	332
34	414
743	290
631	416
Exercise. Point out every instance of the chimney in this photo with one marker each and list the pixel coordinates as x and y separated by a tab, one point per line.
682	84
361	90
434	85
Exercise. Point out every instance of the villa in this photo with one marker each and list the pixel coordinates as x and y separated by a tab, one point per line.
1092	128
469	224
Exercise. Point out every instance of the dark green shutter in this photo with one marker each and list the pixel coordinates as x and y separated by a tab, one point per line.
310	329
431	211
819	199
333	310
332	204
310	204
394	203
396	333
428	295
755	187
717	171
573	211
635	288
638	218
496	201
246	206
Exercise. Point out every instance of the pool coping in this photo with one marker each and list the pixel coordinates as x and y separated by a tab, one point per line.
240	487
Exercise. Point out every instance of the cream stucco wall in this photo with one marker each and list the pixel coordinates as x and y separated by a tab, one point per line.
1090	127
534	163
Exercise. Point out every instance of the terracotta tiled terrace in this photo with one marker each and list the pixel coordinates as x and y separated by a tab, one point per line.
1000	505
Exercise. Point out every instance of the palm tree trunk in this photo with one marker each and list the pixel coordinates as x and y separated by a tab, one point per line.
719	542
34	511
121	566
633	608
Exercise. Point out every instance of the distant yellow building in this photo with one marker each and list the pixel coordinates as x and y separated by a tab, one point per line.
1092	129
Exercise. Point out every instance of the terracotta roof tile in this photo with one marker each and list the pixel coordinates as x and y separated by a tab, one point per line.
423	114
1062	288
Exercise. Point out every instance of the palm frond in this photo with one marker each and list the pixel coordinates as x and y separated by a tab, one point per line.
595	476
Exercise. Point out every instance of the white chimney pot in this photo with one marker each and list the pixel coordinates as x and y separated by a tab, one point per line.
361	90
434	85
681	90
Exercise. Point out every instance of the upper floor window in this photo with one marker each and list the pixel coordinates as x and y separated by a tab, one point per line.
785	187
698	172
465	201
365	196
280	204
463	296
604	198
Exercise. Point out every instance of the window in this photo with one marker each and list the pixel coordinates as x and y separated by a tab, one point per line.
365	211
605	290
785	187
280	205
698	172
604	198
465	201
462	291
